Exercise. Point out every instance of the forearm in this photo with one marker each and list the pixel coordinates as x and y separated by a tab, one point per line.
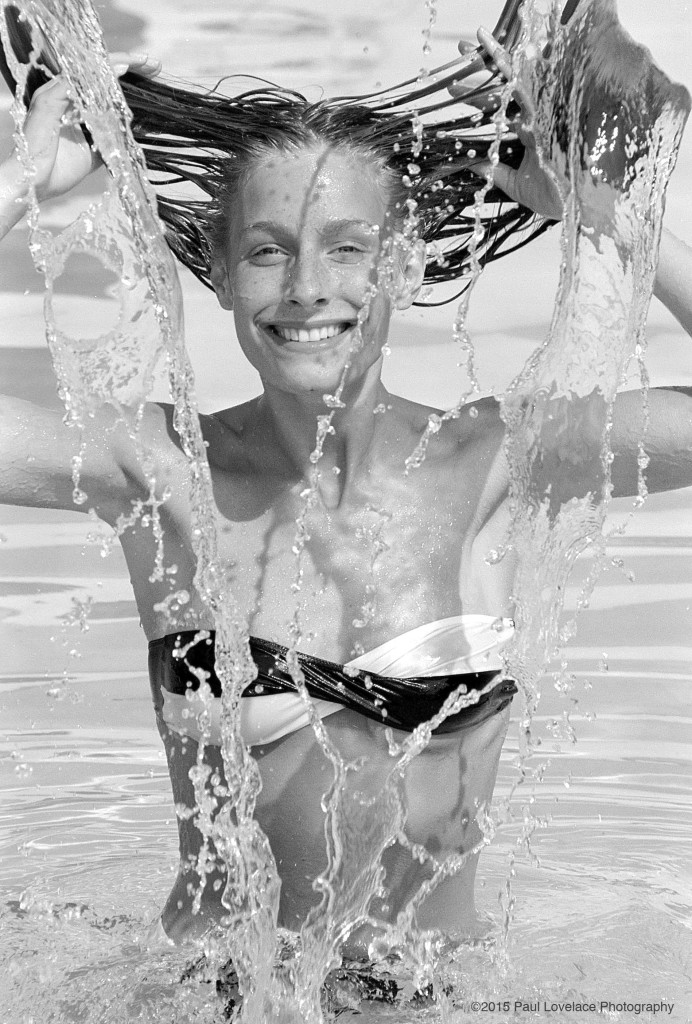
673	285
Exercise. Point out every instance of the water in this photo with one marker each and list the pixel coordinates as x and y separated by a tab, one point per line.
113	964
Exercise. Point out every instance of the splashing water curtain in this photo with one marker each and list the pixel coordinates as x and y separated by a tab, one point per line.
614	132
123	232
613	128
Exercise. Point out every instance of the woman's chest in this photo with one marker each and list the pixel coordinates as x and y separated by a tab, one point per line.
336	581
344	579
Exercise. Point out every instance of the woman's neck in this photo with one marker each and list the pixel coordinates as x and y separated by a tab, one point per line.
292	423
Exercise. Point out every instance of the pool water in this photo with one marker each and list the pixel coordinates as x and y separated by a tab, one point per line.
87	833
603	909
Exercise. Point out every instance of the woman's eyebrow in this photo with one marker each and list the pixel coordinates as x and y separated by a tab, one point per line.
335	227
331	228
270	226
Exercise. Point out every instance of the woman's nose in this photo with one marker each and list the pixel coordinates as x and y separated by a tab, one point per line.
307	282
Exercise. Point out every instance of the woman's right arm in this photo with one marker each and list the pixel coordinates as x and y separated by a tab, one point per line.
36	452
36	446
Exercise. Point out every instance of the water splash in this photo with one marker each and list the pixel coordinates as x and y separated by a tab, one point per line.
610	122
540	411
122	231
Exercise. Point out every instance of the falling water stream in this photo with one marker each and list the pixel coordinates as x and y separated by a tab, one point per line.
612	127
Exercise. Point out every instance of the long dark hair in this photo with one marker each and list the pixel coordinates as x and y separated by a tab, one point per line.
413	132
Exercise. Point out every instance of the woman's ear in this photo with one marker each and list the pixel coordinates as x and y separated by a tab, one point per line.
411	273
221	282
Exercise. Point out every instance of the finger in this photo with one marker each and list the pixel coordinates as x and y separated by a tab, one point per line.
469	78
53	93
488	102
498	175
466	45
525	134
141	63
497	53
521	110
525	100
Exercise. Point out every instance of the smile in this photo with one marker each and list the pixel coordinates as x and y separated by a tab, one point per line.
305	334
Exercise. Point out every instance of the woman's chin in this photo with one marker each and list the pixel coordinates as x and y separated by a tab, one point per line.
316	376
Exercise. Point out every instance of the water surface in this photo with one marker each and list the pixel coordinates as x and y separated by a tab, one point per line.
87	836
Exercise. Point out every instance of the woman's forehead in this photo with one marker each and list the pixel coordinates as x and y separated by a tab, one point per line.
312	184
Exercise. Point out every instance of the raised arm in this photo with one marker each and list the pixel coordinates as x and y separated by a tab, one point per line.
673	284
36	447
36	452
667	436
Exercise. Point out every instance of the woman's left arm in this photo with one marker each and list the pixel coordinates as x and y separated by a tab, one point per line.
673	285
662	423
667	435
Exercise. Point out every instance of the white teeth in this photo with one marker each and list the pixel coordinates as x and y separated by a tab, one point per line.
314	334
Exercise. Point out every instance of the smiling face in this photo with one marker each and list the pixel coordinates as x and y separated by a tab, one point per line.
307	229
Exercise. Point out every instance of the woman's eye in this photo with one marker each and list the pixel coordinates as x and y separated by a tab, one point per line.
267	255
348	253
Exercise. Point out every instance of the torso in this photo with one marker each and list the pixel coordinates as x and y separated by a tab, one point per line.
437	526
433	529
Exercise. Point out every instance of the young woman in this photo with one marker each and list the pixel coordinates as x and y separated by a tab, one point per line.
303	210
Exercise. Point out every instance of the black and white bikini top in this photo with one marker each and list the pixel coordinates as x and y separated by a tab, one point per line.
401	683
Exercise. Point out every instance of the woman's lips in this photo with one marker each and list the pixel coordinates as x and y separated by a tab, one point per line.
305	335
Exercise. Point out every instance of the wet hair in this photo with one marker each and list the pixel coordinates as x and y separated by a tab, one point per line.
421	145
424	161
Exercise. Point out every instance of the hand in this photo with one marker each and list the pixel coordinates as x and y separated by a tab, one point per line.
531	184
61	155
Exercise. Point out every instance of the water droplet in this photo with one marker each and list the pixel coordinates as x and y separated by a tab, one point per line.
333	402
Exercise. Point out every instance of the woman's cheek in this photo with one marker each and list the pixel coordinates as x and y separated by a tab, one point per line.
255	285
355	284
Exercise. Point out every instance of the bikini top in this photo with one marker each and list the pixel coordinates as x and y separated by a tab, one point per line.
401	683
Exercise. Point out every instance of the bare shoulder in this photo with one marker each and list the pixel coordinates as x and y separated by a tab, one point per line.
478	427
230	435
234	437
466	454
